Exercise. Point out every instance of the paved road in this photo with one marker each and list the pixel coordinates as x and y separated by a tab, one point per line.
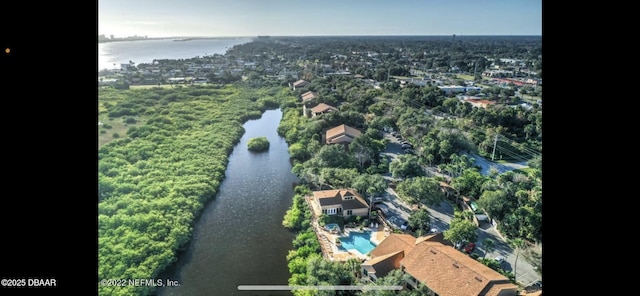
486	165
525	273
397	211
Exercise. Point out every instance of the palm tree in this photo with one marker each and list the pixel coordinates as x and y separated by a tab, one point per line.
519	245
354	266
488	245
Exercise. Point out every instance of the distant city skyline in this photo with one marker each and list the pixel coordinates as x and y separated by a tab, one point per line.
240	18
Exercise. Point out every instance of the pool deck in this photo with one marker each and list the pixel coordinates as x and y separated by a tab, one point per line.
330	250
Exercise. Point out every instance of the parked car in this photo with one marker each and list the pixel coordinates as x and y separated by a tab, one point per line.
469	248
500	259
538	284
405	226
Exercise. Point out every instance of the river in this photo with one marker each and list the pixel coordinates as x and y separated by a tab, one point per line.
239	238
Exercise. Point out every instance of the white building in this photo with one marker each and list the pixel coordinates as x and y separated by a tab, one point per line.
458	88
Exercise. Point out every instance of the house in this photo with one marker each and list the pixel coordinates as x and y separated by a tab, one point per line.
341	202
321	109
308	96
341	134
300	84
433	262
480	103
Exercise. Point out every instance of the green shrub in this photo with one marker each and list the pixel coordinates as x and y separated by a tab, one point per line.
258	144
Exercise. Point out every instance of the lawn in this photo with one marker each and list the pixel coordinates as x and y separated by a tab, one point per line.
464	76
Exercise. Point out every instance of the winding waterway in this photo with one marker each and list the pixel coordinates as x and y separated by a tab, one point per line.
239	238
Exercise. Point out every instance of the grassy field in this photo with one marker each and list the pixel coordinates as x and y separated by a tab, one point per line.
465	77
469	77
531	99
117	126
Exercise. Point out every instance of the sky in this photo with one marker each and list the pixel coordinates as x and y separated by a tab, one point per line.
229	18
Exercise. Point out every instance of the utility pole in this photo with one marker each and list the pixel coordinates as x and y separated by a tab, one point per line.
475	69
495	141
388	71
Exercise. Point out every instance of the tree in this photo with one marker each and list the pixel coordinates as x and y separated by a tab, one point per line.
488	245
518	244
321	272
370	185
364	148
405	166
420	221
333	156
494	203
258	144
421	189
469	183
461	230
395	277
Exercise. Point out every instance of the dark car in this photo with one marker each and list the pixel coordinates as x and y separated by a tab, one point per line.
405	226
469	248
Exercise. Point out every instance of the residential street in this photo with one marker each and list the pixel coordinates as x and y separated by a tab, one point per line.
397	211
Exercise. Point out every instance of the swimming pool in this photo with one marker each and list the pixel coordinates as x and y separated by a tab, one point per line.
333	228
360	241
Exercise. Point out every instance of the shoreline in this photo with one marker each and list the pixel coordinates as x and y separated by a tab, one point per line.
177	38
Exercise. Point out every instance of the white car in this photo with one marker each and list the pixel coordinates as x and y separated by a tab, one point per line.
500	259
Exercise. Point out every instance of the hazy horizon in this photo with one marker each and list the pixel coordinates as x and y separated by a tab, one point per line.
249	18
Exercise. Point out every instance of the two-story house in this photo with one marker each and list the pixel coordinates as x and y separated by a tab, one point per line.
341	202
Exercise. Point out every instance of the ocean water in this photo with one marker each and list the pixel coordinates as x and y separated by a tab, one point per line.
112	54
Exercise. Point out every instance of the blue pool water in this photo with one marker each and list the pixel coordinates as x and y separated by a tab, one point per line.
332	226
360	241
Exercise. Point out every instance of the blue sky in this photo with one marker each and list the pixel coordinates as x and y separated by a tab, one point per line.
166	18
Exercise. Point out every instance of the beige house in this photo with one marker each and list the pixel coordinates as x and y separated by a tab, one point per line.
436	264
308	96
300	84
341	202
342	134
322	108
